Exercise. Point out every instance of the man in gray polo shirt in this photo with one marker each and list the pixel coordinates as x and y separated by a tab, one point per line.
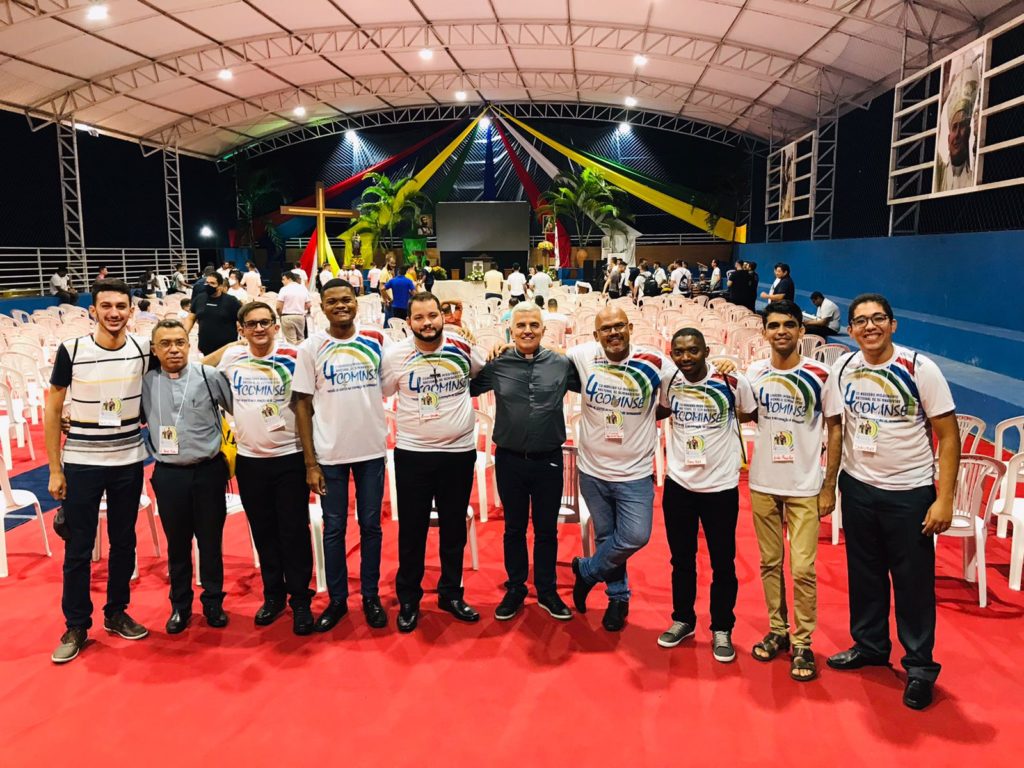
529	429
180	403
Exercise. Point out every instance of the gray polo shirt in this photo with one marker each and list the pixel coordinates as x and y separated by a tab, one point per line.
528	398
184	403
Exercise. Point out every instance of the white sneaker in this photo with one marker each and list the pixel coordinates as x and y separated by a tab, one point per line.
675	634
721	647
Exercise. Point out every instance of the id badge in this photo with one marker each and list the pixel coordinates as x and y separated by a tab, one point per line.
613	426
110	412
430	406
168	441
272	418
694	451
866	437
782	447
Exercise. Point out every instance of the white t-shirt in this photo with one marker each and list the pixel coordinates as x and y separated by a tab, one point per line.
261	388
326	275
225	273
239	293
374	277
659	275
58	283
558	317
302	275
677	275
829	311
541	284
344	378
618	429
435	411
888	404
716	277
705	446
516	284
791	406
293	298
251	282
493	280
355	277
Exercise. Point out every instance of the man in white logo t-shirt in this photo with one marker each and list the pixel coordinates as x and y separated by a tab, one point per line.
292	305
269	468
893	400
703	408
516	283
435	453
341	424
540	283
618	433
793	405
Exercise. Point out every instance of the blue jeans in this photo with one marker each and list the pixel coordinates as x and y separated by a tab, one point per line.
622	513
369	480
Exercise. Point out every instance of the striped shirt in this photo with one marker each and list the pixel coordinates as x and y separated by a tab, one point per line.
95	376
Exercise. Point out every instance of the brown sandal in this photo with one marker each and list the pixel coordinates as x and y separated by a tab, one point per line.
770	646
803	659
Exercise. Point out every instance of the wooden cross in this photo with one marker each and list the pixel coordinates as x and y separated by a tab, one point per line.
321	212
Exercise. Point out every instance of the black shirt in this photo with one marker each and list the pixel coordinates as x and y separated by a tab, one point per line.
217	316
528	398
785	287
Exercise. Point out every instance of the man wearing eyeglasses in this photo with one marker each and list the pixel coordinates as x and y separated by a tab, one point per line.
618	432
894	399
269	467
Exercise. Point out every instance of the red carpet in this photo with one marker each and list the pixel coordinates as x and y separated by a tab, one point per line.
528	692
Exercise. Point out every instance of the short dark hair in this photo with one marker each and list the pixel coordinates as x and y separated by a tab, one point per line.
110	285
539	301
424	296
753	264
185	303
253	305
783	266
168	323
234	272
512	301
552	303
783	307
817	295
689	332
143	305
209	269
336	282
516	265
62	268
864	298
216	276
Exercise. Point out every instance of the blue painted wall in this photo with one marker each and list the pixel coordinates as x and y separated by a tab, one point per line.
958	296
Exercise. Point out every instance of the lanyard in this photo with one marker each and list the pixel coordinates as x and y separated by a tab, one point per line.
184	397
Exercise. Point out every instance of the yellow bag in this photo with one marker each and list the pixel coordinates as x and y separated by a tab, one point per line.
228	446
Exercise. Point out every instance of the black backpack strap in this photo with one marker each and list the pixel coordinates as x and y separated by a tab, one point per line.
209	391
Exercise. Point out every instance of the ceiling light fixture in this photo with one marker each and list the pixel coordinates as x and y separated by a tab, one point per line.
225	74
96	12
352	136
625	128
460	95
299	111
485	122
639	60
426	54
205	231
630	101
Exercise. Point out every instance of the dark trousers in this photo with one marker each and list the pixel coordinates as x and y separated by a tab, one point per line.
400	312
275	496
421	478
716	513
488	295
192	505
369	480
883	537
70	297
85	487
524	482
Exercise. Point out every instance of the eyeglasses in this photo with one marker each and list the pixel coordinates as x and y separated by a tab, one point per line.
168	343
878	320
617	328
251	325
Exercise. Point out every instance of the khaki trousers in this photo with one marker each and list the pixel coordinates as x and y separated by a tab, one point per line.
294	328
801	517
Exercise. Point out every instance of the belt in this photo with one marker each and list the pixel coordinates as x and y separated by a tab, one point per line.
531	455
193	465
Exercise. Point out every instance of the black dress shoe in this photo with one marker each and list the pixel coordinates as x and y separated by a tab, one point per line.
580	587
918	693
268	612
509	606
615	616
215	617
554	605
408	617
302	620
178	621
854	659
375	614
458	609
332	615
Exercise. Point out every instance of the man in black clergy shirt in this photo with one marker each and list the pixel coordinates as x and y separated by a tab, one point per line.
529	382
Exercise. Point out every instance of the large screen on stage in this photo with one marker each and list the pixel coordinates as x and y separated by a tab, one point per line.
490	226
958	124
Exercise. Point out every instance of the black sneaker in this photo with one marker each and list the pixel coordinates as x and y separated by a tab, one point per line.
615	616
71	643
122	624
509	606
580	587
918	693
554	605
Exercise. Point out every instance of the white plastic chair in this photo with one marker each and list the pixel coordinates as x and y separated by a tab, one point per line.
971	431
1001	448
810	343
12	501
484	428
1009	508
829	353
972	511
12	420
573	508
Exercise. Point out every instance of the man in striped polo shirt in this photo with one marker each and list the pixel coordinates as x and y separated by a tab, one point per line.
99	379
